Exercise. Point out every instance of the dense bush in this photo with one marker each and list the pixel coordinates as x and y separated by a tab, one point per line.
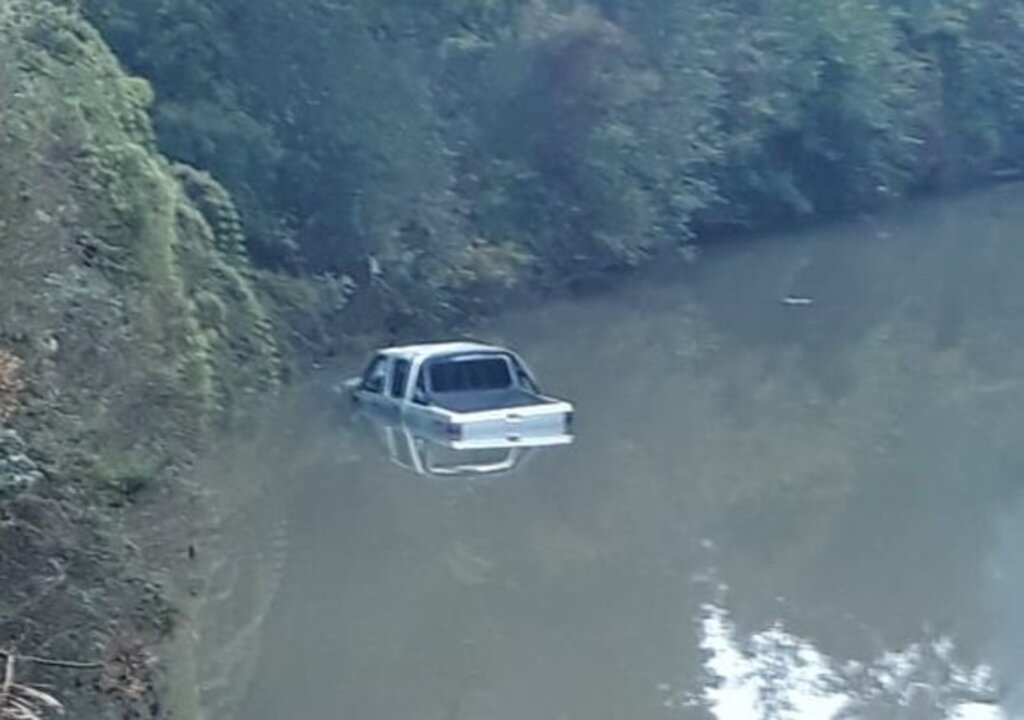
124	287
397	136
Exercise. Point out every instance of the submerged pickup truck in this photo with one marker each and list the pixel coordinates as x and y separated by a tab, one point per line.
465	394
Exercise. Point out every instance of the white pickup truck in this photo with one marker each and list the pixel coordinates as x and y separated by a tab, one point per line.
465	394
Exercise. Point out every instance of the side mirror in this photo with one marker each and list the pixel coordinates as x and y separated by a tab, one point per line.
420	398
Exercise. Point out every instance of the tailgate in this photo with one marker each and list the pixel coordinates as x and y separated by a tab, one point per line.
546	420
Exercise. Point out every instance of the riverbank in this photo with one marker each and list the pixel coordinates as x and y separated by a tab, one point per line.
130	331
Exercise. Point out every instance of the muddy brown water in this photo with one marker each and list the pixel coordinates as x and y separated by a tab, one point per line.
797	491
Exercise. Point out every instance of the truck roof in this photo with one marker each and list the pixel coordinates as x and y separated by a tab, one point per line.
439	348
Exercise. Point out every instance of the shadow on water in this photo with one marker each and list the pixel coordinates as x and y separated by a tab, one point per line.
795	493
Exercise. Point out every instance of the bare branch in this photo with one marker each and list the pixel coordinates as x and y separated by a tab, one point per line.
23	702
5	687
73	664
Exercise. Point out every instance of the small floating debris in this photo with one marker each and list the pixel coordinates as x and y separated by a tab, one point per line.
797	300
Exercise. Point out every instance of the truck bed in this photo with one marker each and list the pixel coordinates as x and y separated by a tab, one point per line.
480	401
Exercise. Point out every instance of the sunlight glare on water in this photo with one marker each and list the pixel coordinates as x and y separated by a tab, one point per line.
780	676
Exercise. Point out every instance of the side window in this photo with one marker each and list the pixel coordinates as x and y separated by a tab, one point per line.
523	377
419	395
399	374
375	375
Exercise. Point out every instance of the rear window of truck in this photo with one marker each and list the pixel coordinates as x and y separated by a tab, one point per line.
470	373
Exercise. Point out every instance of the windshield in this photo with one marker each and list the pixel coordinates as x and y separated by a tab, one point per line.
466	373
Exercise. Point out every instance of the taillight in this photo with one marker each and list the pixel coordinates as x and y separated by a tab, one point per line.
569	417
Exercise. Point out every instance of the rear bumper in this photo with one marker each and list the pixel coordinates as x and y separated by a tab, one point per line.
510	441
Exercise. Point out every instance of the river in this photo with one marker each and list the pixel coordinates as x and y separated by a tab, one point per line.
796	491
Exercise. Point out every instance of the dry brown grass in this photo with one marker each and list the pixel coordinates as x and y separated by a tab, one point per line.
10	384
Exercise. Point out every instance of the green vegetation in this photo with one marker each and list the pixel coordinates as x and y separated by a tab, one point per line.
558	139
130	328
124	287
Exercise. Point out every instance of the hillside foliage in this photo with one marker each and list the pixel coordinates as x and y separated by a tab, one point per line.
544	140
125	290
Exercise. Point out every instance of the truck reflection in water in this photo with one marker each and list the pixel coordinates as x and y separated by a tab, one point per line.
424	453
